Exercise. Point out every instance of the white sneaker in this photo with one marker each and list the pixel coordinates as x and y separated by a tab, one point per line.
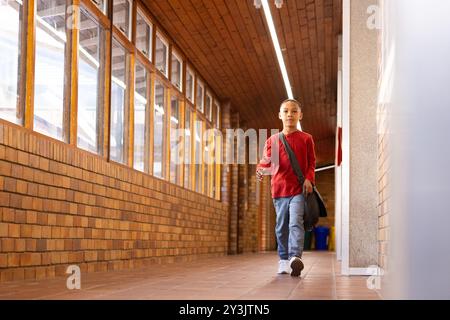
297	266
283	267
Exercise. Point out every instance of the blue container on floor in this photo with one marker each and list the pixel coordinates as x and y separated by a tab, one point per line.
321	235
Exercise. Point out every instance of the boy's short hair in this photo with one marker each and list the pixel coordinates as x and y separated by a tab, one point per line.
293	101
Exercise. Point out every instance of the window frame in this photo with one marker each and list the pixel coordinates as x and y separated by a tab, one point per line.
175	54
130	17
209	95
191	72
200	83
164	40
141	12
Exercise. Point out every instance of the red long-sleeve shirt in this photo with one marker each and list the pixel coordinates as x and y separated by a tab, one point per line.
284	180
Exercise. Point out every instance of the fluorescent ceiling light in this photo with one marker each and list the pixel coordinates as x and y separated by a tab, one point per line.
277	47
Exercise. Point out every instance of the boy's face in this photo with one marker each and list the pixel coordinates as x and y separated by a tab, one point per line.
290	114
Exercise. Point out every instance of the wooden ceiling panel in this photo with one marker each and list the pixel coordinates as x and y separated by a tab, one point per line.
228	43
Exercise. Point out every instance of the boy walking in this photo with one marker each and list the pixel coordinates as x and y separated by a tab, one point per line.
287	193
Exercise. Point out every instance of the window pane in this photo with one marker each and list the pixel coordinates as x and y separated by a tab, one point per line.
190	86
198	154
144	36
159	134
101	4
187	147
118	96
10	33
122	16
49	69
177	72
88	83
175	140
140	116
208	106
217	117
161	55
206	161
199	100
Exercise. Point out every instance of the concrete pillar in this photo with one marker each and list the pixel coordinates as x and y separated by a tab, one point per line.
359	138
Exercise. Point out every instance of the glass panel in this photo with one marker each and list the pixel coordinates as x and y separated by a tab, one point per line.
208	106
140	116
10	34
118	96
144	36
187	147
175	140
177	72
198	154
122	16
101	4
206	161
89	68
159	147
190	86
161	55
199	101
49	68
213	169
217	117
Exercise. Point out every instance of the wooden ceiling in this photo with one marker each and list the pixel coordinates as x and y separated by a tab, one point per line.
229	44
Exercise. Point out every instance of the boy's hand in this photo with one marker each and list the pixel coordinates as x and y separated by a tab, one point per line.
307	187
260	174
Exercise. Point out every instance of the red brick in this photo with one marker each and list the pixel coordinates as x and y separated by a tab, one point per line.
3	260
14	230
8	245
22	187
31	217
22	158
3	230
19	245
13	260
9	184
5	168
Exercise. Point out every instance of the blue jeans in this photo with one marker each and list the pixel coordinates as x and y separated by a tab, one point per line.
289	226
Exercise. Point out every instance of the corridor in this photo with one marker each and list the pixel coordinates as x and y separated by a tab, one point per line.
139	149
241	277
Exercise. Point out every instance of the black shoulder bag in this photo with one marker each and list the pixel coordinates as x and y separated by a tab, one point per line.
314	206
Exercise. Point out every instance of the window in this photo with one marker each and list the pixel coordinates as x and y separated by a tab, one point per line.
143	35
190	85
89	65
217	115
208	106
159	131
122	16
118	101
11	31
101	4
175	141
207	161
198	154
200	96
187	147
140	117
177	71
49	68
161	55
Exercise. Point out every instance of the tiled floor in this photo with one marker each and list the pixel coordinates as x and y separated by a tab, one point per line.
247	277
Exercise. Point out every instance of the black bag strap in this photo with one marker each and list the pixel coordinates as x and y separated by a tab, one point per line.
293	159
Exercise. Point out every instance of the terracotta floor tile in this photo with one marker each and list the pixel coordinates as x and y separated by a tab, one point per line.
249	276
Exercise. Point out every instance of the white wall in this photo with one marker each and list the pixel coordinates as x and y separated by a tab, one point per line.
416	89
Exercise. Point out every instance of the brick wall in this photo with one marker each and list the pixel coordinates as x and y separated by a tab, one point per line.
383	200
60	205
